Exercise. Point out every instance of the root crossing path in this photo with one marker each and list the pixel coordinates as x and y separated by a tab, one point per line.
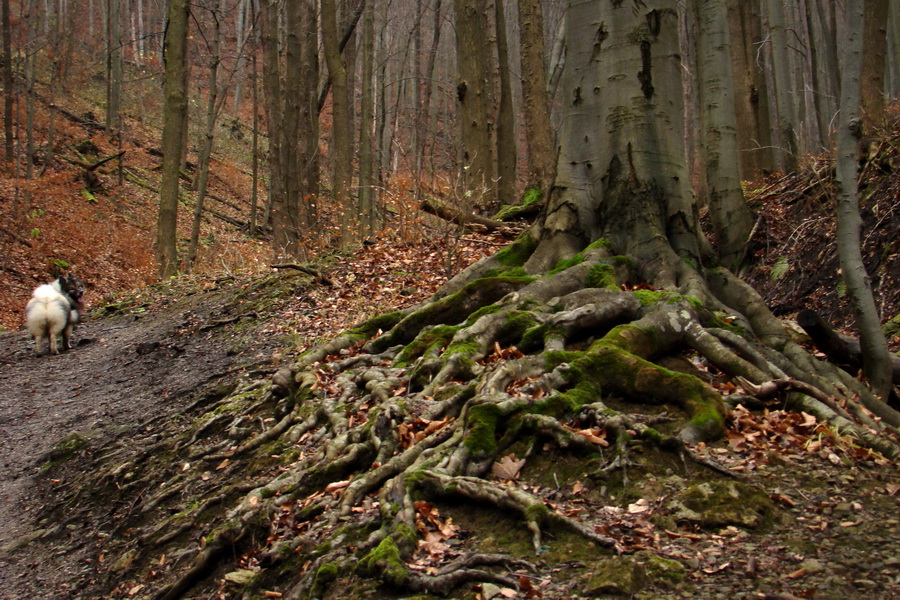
125	372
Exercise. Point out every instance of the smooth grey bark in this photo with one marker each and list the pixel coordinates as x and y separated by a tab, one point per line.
174	122
893	87
731	217
621	170
785	122
876	359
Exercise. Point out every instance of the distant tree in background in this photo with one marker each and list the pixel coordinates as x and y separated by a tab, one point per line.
174	125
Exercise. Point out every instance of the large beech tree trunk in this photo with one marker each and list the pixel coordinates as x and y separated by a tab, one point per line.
621	171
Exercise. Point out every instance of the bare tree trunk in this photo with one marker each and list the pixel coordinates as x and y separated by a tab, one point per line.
824	68
874	53
254	191
341	144
785	131
876	360
621	171
308	132
114	67
240	34
276	117
213	107
506	122
8	93
366	128
894	47
535	107
287	218
174	120
751	91
473	94
731	217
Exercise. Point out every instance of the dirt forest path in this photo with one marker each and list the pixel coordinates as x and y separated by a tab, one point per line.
124	371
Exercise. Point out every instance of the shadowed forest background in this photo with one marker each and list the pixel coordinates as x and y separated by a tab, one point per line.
476	298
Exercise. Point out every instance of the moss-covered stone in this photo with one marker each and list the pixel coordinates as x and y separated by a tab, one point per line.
617	576
662	571
718	504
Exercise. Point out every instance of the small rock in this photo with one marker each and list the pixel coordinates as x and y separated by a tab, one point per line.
241	577
865	583
812	566
843	509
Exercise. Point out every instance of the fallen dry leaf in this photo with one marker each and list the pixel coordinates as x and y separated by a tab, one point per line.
508	467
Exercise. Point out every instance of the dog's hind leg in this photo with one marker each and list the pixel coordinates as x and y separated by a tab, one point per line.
54	348
39	344
66	334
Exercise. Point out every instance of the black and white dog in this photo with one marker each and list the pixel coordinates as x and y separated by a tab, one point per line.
54	309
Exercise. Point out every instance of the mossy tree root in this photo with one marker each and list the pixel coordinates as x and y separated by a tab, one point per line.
505	497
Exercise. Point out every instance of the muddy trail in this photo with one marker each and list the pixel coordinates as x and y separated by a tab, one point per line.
125	372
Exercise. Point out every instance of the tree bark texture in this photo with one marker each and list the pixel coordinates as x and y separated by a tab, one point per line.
473	92
750	90
535	105
874	54
786	114
876	359
174	124
621	170
341	144
506	115
367	181
731	217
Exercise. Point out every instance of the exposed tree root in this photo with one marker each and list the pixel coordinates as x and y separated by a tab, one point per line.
338	452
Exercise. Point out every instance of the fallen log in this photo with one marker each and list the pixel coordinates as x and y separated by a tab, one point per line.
840	349
465	219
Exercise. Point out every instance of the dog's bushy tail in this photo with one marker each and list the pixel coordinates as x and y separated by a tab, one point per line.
47	316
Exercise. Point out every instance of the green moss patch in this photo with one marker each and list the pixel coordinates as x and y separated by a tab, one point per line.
717	504
385	560
481	422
